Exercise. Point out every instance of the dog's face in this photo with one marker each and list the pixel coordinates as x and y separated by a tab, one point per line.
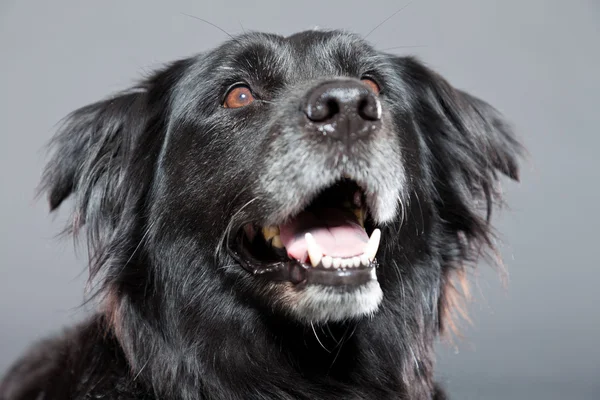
272	139
299	176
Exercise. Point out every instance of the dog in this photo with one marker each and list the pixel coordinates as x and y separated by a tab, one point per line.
277	218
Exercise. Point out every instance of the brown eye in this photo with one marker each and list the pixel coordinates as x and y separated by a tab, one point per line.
239	96
371	84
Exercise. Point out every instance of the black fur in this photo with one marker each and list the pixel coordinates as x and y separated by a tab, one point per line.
162	174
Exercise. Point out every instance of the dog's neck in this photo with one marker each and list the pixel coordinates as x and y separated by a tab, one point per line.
391	353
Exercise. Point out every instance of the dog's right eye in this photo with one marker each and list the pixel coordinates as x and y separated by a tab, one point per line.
238	96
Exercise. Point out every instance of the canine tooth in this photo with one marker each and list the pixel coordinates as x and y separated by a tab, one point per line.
364	260
373	245
269	232
314	251
327	261
336	262
356	261
276	242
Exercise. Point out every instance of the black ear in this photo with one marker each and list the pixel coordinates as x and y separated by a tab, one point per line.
91	148
102	157
91	159
469	145
481	127
103	153
470	142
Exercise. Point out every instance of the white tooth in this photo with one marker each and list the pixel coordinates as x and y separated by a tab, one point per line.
364	260
373	245
314	251
345	263
336	262
327	261
356	261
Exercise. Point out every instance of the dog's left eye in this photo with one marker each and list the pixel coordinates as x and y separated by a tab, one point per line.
238	96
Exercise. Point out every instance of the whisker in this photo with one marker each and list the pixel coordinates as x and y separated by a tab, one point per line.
140	243
388	18
317	337
211	24
226	234
141	369
405	47
422	216
345	338
402	213
337	342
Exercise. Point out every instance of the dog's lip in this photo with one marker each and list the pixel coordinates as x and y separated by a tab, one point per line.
301	274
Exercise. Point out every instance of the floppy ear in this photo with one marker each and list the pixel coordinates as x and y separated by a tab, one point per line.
478	127
90	150
91	156
479	138
469	145
103	153
104	156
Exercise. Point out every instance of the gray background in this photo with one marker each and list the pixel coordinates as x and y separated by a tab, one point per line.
537	61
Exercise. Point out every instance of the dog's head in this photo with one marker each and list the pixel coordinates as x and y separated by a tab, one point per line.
309	176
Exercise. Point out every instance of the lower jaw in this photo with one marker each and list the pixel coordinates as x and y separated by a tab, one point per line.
314	294
301	274
345	279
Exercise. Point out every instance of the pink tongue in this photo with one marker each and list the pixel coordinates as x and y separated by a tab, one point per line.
336	231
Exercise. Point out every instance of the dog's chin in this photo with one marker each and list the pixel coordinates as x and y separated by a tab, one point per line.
322	304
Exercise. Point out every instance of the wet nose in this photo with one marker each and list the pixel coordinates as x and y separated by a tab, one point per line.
345	109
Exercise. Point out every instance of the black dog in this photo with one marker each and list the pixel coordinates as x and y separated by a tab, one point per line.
279	218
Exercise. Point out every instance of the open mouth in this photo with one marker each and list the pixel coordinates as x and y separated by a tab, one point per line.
331	242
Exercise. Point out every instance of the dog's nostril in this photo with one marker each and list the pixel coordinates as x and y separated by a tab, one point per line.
333	107
369	108
342	99
322	109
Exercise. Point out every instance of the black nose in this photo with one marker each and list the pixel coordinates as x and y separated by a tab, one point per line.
343	109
